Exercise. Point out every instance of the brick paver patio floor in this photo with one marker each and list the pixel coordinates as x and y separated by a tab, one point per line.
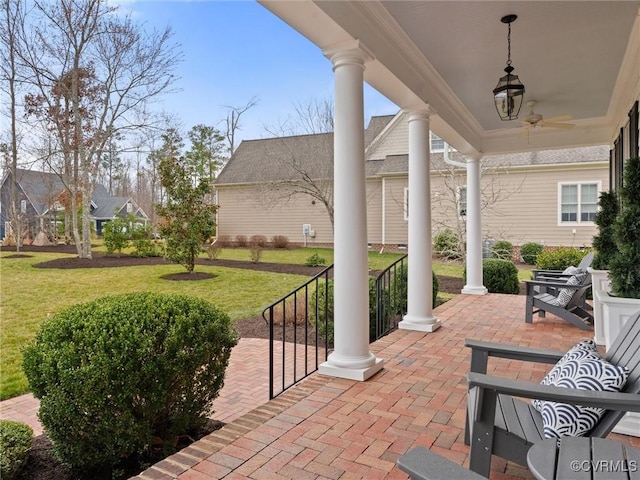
335	428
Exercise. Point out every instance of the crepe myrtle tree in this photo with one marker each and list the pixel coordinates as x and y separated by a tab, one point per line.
187	219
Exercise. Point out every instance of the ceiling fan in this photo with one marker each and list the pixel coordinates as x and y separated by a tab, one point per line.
533	119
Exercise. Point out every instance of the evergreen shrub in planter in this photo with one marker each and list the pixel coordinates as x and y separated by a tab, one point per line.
604	242
624	268
114	373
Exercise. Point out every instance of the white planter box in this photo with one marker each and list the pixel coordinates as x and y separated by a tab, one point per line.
616	311
600	285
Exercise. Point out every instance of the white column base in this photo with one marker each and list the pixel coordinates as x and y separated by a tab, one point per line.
420	324
472	290
352	373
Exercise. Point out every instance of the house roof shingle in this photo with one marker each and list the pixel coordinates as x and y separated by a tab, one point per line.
43	188
281	159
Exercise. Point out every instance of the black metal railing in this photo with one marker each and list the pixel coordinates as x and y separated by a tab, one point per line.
298	322
301	322
390	300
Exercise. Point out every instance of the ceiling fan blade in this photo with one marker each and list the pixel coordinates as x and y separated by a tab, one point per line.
557	125
558	118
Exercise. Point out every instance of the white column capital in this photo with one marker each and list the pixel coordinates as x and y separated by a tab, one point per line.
348	53
419	112
473	158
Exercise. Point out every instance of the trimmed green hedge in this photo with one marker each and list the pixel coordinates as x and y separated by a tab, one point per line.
113	373
500	276
530	251
559	258
15	442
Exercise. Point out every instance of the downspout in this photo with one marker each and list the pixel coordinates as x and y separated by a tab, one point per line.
384	215
452	162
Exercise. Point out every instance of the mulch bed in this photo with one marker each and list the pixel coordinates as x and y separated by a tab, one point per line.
41	465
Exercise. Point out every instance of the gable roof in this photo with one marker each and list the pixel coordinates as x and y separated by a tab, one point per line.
43	188
283	158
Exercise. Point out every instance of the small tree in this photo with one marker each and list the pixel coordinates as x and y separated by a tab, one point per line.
188	219
116	235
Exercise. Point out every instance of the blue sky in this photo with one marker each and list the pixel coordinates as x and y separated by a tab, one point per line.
237	50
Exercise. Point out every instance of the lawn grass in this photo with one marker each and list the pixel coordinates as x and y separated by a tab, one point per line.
30	294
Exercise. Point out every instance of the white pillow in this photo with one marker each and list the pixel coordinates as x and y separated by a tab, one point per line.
566	294
580	368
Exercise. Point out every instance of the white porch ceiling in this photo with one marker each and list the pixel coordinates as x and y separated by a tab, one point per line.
580	58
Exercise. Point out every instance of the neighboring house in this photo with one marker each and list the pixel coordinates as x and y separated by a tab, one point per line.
42	198
546	196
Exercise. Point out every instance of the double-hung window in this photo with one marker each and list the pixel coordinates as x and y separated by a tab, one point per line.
577	202
461	201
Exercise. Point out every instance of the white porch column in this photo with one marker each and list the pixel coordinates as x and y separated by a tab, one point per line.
420	282
351	357
474	284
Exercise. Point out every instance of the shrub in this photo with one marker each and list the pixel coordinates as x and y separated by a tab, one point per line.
322	311
559	258
255	252
394	299
113	373
291	311
314	260
530	251
503	250
447	245
604	242
500	276
280	241
9	241
116	235
213	250
623	270
241	241
145	247
224	241
321	315
398	290
259	240
15	442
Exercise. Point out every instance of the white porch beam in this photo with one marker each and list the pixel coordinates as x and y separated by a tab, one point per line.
420	282
351	357
474	284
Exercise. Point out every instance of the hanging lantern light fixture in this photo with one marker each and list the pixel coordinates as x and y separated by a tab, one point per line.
509	92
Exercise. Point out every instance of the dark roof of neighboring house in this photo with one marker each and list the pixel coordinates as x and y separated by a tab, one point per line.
282	158
43	188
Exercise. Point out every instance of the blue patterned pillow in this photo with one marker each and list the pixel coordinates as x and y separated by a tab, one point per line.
564	366
581	368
